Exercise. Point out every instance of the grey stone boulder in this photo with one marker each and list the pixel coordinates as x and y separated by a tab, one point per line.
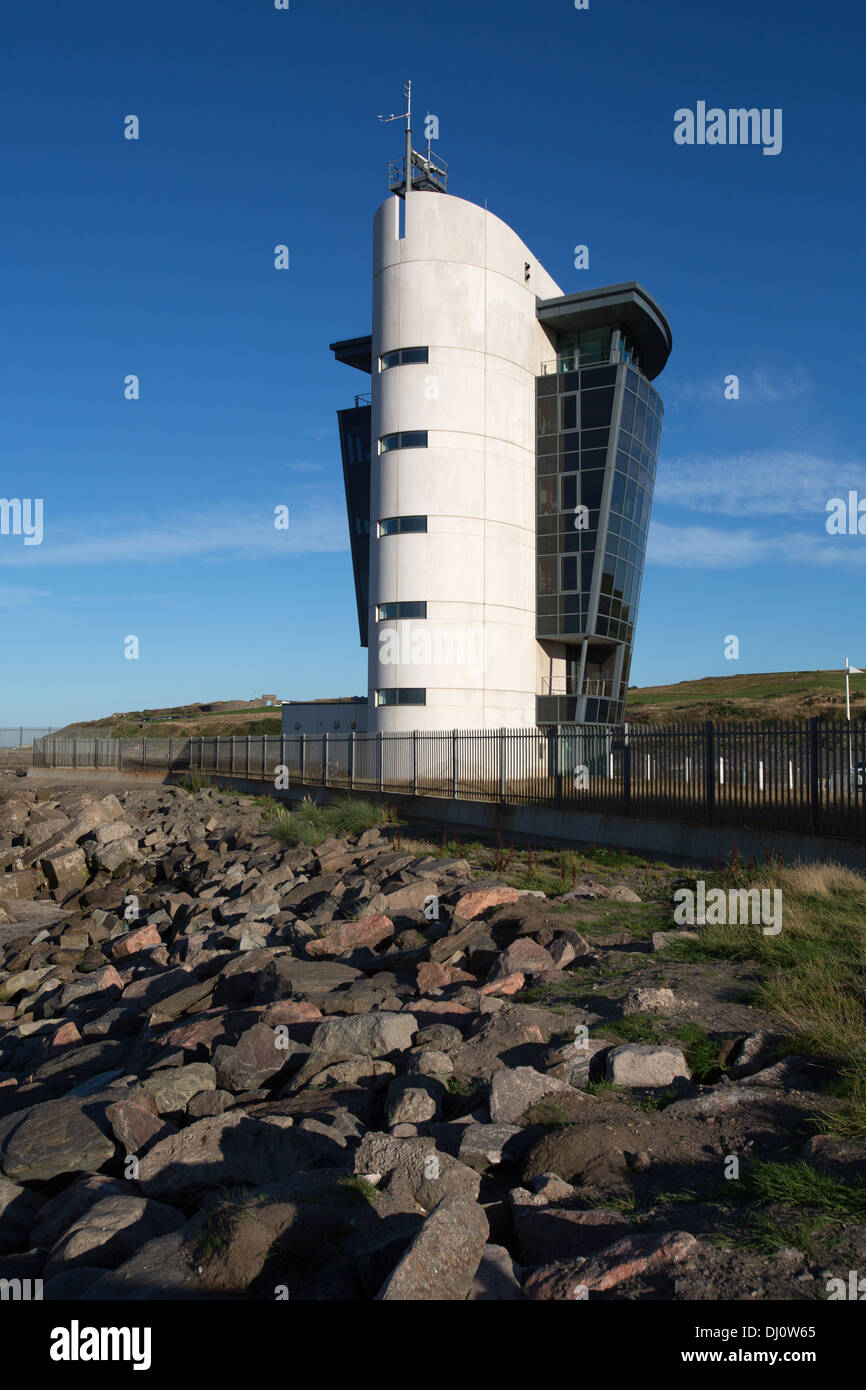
253	1060
413	1099
416	1167
514	1089
442	1260
232	1148
644	1064
486	1146
52	1139
367	1035
172	1088
497	1278
18	1212
110	1232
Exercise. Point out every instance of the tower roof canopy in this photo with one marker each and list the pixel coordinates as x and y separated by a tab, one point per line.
355	352
628	304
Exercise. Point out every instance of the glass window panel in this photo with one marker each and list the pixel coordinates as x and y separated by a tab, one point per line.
594	345
568	412
593	458
411	695
591	485
618	492
643	387
569	381
569	492
595	407
628	405
639	419
547	575
547	412
415	354
586	564
597	376
594	439
413	523
569	572
546	385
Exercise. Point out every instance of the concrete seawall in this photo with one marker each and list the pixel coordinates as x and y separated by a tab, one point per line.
530	824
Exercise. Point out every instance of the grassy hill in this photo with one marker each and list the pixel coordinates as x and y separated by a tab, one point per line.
189	721
761	698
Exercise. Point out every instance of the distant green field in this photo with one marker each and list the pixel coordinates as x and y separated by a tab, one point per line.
787	687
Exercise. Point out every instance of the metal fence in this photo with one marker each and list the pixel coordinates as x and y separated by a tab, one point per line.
807	775
20	736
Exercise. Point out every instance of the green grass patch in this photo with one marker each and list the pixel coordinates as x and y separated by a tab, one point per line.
310	823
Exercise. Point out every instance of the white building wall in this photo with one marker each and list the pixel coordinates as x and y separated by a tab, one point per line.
456	284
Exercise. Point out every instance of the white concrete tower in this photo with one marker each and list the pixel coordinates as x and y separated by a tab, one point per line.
453	443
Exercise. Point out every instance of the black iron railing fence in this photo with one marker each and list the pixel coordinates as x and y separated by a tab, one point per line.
807	775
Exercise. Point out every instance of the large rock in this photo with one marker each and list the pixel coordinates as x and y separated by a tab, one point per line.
231	1148
470	905
643	1064
416	1167
54	1138
366	1035
626	1259
370	931
65	870
18	1210
172	1088
251	1062
110	1232
442	1260
514	1089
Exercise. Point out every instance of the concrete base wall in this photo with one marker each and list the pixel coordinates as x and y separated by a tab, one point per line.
538	825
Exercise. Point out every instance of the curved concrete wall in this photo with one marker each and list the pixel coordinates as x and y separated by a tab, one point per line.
456	283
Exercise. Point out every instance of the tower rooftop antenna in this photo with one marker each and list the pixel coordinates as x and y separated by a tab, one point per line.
416	172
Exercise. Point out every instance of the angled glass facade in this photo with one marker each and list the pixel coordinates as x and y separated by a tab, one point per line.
355	445
599	425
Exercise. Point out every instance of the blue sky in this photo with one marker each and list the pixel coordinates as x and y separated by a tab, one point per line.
258	127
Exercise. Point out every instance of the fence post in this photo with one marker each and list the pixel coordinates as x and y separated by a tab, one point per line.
21	736
233	756
283	762
379	758
324	759
303	757
502	764
351	752
814	778
414	762
557	753
626	772
75	752
710	768
453	764
264	755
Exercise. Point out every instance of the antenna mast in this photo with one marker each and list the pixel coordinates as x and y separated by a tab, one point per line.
432	172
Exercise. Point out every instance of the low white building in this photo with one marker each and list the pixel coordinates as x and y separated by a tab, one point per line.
325	716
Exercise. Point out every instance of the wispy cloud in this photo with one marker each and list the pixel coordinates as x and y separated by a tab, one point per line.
197	533
707	547
20	595
763	483
756	388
